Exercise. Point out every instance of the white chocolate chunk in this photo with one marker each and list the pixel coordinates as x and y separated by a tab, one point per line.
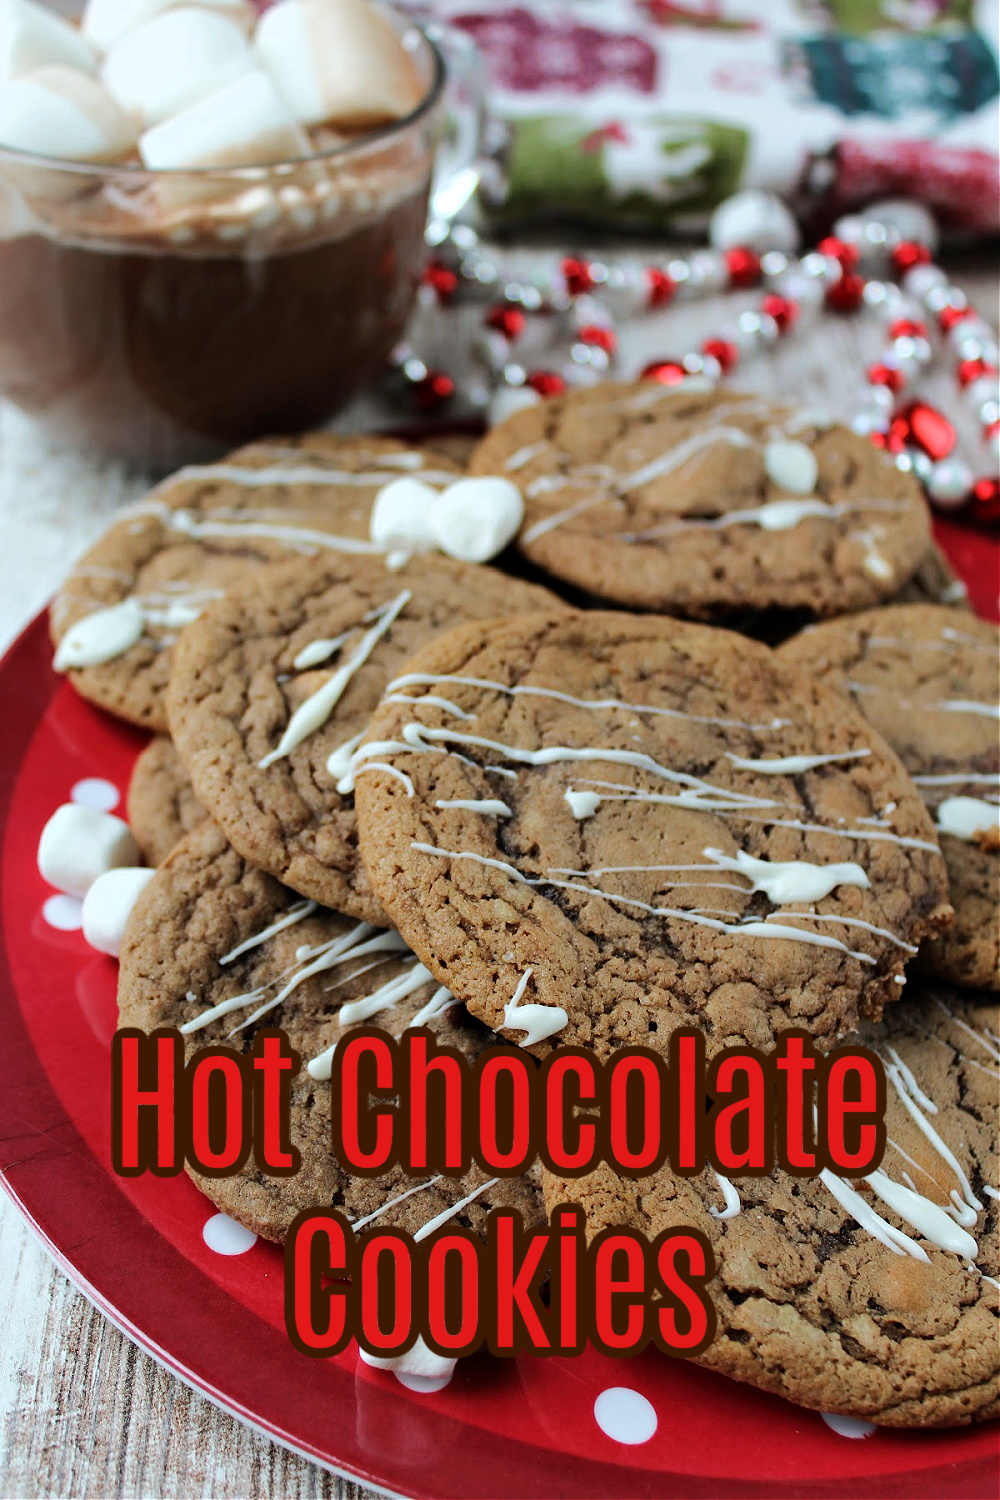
755	219
401	516
79	844
419	1369
582	804
337	61
63	113
105	22
789	880
177	59
100	636
108	905
967	817
32	36
244	124
791	465
475	519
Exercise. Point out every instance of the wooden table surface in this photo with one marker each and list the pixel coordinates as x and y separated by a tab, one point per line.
84	1412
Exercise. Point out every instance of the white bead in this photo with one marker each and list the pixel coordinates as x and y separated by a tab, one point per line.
79	843
974	328
492	348
63	113
922	279
626	289
910	219
105	22
108	905
807	291
244	124
978	392
867	422
709	271
850	228
401	516
971	346
949	482
879	399
32	36
755	219
508	399
792	466
177	59
989	412
474	519
826	268
940	297
339	61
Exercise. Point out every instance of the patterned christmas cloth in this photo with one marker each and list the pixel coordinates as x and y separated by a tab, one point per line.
646	113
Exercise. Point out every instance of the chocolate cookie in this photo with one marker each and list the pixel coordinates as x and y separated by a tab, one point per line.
162	806
703	504
284	672
604	826
927	678
158	566
840	1294
934	582
211	932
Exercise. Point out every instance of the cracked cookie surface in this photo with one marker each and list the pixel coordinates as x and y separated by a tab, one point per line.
606	801
162	806
669	500
236	689
810	1305
177	961
927	678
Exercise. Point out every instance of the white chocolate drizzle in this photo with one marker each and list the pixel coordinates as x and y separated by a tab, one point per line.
790	880
967	818
793	765
731	1199
538	1022
490	807
456	1208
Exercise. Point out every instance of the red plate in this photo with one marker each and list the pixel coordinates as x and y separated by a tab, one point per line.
150	1253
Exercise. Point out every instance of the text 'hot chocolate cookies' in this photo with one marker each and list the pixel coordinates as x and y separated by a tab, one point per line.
600	827
702	505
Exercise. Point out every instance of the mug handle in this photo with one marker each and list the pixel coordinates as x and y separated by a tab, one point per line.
458	165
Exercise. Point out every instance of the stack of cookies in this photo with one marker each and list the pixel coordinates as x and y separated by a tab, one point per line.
579	798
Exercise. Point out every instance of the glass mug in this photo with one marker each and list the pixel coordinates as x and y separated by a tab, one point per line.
166	317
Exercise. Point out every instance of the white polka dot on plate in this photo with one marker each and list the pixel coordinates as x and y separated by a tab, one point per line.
95	792
223	1235
64	913
849	1427
625	1415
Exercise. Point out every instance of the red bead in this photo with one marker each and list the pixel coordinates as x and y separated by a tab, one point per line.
724	351
929	429
991	432
578	277
845	295
898	434
878	439
840	250
969	370
442	278
949	317
909	254
546	383
886	375
743	266
434	391
507	320
986	501
783	310
661	287
907	328
666	371
598	337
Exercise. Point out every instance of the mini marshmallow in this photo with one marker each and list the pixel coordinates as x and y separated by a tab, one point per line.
79	844
63	113
792	466
419	1369
757	220
401	516
168	65
105	22
245	124
474	519
32	37
337	61
108	905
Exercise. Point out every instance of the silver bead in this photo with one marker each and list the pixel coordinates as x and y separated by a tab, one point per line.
492	348
867	422
940	297
824	267
968	328
807	291
754	330
949	482
981	392
989	412
592	356
972	346
626	290
704	365
879	399
909	220
914	461
587	310
920	280
414	369
513	374
679	272
463	237
850	228
709	271
774	263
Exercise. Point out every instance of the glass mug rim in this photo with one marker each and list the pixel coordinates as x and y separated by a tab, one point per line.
131	173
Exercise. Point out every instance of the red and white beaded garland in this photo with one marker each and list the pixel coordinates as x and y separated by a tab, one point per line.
864	266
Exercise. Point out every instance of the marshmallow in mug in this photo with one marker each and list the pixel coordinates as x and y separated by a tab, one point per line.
79	844
337	61
472	520
168	65
63	113
108	905
245	124
32	37
105	22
